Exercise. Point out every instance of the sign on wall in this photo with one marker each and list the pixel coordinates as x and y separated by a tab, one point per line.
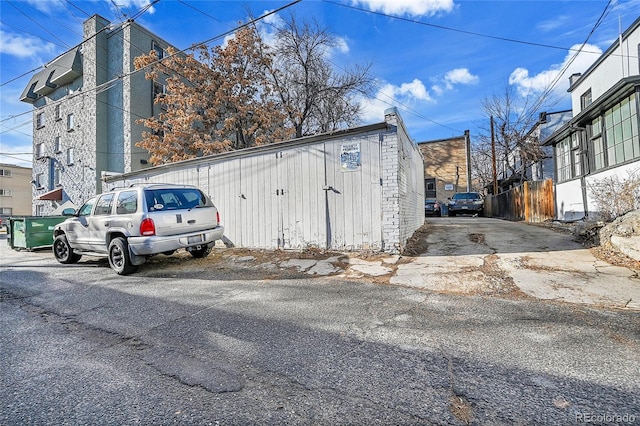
448	187
350	157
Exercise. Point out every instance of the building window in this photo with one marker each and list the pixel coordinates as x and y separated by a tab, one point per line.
585	99
57	112
5	172
57	177
57	147
39	150
5	192
158	49
40	180
597	145
69	122
621	132
40	120
576	154
6	211
39	210
563	160
158	89
70	159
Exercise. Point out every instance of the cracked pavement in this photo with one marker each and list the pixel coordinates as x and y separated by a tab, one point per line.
469	255
261	339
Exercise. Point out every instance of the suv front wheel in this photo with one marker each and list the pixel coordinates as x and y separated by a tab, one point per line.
63	251
119	259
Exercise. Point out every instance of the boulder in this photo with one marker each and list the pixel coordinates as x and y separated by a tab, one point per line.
623	235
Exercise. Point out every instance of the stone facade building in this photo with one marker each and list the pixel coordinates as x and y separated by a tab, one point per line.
86	103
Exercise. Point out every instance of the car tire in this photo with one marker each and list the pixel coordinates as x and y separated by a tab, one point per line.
201	252
63	252
452	214
119	259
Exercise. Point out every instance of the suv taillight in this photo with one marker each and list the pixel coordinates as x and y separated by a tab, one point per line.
218	216
147	227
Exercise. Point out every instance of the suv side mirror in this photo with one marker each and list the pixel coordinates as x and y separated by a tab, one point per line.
68	212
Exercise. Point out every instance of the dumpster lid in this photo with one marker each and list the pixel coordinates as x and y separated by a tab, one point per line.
55	195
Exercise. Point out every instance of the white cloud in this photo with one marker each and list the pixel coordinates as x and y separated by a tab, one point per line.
540	82
457	76
553	24
408	7
135	4
460	76
23	46
390	95
47	7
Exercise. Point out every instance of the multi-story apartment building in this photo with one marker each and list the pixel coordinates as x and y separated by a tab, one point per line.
601	140
86	103
15	190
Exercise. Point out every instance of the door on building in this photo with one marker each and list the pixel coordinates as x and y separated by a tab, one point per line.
430	188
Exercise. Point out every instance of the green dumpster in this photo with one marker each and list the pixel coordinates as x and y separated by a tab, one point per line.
29	232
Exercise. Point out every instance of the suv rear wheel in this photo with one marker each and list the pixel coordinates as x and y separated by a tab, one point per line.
119	257
63	251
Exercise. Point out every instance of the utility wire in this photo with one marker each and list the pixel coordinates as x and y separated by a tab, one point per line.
69	2
442	27
108	84
36	22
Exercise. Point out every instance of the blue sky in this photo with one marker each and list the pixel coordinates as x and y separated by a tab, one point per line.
435	60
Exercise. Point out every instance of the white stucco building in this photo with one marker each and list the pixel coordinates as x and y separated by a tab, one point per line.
601	140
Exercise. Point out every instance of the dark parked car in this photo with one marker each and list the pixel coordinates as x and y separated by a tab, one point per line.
466	203
432	207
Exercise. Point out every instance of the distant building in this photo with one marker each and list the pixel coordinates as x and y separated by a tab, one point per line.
447	166
15	190
541	166
601	140
86	103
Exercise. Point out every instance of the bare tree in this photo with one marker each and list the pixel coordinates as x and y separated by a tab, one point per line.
315	97
515	146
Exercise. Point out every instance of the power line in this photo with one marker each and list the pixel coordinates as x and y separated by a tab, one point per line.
69	2
37	23
442	27
542	97
109	84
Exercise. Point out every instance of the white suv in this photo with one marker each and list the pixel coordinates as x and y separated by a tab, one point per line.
130	224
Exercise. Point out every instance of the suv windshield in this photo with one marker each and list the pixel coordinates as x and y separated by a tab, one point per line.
175	199
466	196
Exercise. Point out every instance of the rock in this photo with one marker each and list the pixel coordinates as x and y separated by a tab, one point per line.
623	235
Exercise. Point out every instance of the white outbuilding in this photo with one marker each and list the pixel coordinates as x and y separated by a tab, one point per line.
351	190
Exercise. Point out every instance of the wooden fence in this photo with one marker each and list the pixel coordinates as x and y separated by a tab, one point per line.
531	202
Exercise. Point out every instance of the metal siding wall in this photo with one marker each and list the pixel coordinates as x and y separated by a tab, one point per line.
348	216
355	202
258	181
301	176
224	188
